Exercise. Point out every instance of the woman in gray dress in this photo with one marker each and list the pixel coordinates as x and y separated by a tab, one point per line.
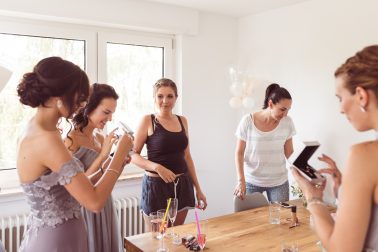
356	225
93	150
53	180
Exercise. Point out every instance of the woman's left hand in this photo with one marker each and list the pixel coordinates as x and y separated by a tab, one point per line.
309	189
201	197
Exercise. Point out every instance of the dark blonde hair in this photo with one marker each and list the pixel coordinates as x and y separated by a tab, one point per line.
361	70
164	82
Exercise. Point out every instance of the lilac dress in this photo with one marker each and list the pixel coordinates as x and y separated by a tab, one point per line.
103	231
371	242
55	223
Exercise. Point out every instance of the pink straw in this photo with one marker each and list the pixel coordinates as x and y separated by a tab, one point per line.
197	221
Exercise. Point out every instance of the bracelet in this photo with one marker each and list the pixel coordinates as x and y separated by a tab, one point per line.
315	201
113	170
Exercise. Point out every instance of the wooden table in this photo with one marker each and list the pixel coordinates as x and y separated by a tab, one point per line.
244	231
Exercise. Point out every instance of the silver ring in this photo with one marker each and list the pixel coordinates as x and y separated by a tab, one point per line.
317	186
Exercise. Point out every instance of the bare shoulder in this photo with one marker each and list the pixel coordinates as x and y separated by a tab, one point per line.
363	160
145	122
184	120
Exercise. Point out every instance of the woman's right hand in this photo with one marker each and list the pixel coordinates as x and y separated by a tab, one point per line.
107	144
125	144
167	175
240	190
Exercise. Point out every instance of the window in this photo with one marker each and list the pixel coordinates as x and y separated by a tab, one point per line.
20	53
129	62
132	64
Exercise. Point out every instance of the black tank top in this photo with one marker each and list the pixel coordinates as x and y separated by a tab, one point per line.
166	147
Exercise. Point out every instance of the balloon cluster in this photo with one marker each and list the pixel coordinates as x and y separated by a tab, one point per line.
241	89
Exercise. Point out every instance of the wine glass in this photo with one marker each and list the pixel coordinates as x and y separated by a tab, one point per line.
172	213
162	230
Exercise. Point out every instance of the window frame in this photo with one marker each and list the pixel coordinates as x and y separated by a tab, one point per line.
95	38
135	38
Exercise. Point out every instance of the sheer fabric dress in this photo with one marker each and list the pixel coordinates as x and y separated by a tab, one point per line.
55	223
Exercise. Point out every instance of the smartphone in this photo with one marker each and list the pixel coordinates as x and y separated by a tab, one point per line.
301	163
126	128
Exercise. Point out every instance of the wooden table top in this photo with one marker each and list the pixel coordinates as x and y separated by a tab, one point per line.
243	231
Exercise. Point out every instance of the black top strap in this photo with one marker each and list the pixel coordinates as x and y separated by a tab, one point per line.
182	125
153	122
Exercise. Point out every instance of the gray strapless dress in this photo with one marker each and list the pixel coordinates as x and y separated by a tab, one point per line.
55	223
371	242
104	234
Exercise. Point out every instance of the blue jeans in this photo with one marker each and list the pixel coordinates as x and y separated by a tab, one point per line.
276	193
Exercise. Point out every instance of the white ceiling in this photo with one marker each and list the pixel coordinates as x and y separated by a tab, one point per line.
234	8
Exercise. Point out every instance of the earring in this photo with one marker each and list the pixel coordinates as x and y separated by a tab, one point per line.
363	110
59	104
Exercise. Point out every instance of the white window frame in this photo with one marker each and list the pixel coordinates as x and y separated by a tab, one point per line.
95	43
28	27
135	38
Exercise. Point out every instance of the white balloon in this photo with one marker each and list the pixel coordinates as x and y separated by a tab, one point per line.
248	102
236	89
235	102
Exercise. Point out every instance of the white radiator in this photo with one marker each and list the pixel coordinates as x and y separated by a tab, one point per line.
12	229
130	222
130	218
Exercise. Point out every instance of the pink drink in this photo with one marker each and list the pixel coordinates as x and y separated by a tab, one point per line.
201	239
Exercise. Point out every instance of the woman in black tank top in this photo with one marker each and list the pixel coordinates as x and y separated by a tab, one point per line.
169	159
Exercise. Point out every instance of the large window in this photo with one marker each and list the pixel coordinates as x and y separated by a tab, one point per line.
132	64
129	62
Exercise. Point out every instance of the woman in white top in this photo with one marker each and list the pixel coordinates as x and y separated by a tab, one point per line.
264	143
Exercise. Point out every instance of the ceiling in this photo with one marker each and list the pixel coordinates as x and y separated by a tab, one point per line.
234	8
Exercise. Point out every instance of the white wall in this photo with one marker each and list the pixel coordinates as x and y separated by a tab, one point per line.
130	14
205	49
300	47
205	61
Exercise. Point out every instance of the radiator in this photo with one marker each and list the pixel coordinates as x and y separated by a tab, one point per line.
130	222
130	218
12	229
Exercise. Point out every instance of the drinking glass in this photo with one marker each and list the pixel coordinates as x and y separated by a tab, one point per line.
274	213
154	223
201	238
172	212
160	217
162	230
